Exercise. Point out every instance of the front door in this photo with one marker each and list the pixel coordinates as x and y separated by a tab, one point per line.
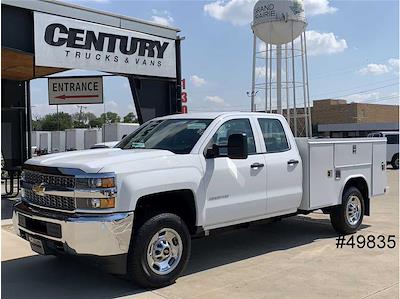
235	188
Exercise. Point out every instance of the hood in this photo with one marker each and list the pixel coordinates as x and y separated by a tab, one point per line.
92	161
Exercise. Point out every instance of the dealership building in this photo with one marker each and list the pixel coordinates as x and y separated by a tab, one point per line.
337	118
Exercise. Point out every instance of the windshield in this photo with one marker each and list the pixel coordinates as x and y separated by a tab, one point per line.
176	135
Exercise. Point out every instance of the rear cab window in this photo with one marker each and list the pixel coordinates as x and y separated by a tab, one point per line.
274	135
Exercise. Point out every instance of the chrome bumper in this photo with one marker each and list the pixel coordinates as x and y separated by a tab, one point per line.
100	234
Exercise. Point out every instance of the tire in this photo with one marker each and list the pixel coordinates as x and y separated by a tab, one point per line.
395	161
347	217
167	237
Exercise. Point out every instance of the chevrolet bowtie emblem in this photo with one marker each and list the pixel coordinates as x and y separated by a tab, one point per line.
39	189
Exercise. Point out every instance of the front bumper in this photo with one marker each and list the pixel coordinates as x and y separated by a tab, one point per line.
83	234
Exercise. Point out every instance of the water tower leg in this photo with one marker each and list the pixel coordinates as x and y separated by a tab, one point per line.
304	87
294	89
279	79
266	77
287	86
253	75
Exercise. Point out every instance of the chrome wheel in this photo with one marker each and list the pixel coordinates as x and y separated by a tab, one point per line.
396	162
353	210
164	251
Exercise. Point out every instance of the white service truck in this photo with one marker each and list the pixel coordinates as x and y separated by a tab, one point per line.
136	206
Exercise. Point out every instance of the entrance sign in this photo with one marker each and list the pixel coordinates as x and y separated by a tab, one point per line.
75	90
69	43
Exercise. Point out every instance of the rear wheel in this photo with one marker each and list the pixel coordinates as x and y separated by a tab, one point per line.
159	251
347	217
395	161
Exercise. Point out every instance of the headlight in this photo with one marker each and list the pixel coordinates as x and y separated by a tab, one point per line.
93	183
95	203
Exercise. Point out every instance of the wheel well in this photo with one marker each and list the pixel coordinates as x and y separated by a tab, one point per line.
362	186
179	202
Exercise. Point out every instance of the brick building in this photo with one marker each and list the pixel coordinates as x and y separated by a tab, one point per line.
337	118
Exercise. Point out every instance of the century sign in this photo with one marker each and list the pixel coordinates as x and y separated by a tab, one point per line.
75	90
69	43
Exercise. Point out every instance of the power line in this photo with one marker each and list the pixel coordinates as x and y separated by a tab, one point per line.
353	88
365	91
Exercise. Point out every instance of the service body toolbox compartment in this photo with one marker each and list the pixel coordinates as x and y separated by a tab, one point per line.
329	163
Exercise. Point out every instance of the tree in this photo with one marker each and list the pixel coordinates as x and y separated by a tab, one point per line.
82	119
110	117
51	122
96	123
130	118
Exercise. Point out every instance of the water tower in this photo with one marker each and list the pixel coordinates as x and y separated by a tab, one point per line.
280	25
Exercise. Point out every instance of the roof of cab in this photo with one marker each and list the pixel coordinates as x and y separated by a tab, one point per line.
214	115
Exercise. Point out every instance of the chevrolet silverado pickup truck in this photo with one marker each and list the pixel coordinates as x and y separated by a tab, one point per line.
137	206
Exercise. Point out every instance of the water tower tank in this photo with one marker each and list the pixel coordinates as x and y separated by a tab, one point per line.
278	21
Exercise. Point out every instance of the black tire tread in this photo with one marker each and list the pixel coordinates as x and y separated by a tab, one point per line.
396	156
338	218
135	270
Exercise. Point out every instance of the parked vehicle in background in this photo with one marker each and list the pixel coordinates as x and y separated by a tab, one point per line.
392	148
105	144
138	205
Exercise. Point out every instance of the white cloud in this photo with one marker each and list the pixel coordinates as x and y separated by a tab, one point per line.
215	100
162	17
260	73
374	69
362	97
318	7
395	64
240	12
197	81
319	43
380	69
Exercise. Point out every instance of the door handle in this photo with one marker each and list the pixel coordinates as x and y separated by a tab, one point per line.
292	162
257	165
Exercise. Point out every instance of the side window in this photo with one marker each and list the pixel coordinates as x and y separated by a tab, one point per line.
392	139
233	126
274	135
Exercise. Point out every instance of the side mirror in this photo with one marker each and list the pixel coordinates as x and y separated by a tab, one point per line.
212	152
237	146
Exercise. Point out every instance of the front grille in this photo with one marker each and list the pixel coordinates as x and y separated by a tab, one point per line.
34	177
50	201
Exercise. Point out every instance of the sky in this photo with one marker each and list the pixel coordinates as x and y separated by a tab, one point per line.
353	53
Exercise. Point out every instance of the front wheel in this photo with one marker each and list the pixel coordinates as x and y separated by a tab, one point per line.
159	251
347	217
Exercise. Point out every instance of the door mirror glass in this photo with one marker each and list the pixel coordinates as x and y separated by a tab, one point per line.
212	152
237	146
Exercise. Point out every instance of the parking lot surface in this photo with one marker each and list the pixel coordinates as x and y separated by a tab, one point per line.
294	258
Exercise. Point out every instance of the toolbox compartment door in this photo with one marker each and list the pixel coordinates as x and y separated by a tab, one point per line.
379	179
